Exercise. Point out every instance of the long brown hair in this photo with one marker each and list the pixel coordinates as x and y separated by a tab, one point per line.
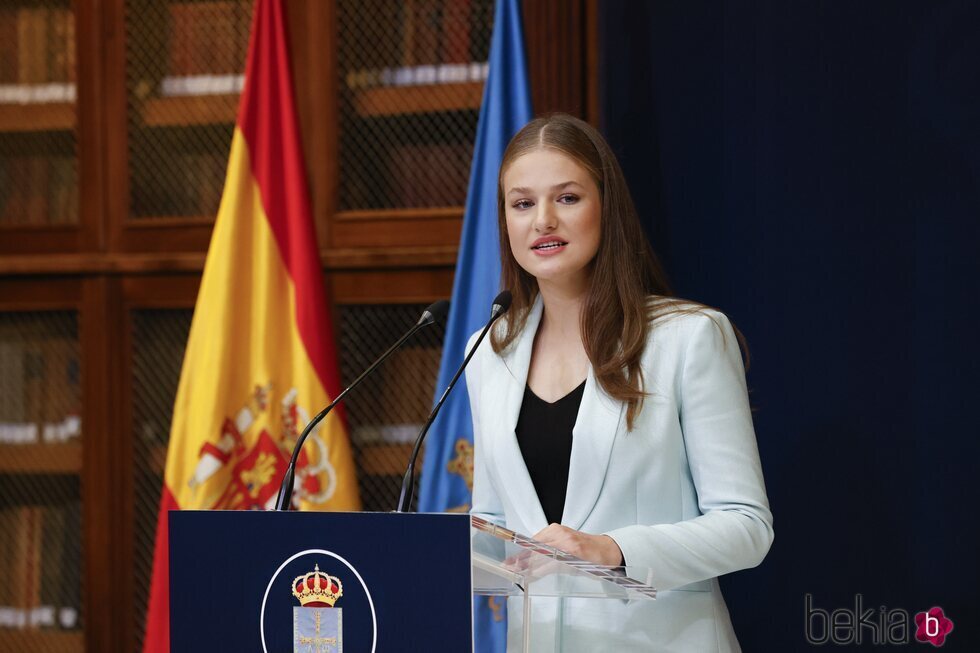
617	312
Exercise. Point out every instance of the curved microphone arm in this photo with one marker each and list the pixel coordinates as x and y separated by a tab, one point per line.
429	316
500	305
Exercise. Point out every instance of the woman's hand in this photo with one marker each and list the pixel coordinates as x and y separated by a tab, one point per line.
600	549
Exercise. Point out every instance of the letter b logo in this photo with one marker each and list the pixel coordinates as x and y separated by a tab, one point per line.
933	626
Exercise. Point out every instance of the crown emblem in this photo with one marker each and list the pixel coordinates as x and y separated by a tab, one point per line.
317	589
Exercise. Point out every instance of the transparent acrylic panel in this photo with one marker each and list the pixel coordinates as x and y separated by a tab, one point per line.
506	563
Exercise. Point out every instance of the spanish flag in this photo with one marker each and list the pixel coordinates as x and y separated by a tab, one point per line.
260	359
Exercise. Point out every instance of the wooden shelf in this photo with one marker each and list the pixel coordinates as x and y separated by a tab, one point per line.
385	459
169	221
424	213
432	98
39	117
40	459
190	110
333	259
27	641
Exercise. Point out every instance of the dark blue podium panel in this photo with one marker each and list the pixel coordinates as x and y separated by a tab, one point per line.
403	581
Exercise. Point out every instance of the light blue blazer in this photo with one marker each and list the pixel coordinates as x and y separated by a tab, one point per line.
682	493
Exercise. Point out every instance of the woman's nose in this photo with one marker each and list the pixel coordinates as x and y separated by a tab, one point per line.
545	219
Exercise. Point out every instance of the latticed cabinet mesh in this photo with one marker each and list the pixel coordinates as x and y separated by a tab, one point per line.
38	158
383	415
410	80
386	412
41	558
159	338
185	65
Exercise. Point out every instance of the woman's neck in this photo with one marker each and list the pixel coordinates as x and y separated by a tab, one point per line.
562	309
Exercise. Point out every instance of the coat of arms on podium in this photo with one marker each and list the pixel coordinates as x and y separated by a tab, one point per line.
317	625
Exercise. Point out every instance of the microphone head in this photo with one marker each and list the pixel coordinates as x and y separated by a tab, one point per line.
435	312
500	304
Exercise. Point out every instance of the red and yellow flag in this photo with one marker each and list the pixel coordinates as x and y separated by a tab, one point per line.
260	359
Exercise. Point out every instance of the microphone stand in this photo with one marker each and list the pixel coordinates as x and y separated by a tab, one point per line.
429	316
500	305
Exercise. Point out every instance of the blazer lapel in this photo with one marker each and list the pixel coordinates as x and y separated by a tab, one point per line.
507	452
599	419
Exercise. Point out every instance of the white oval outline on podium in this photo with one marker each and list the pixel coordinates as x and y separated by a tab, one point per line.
374	617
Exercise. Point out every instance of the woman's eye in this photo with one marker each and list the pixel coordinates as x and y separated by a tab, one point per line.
523	204
568	199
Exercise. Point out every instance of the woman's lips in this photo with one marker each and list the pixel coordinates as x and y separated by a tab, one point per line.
549	247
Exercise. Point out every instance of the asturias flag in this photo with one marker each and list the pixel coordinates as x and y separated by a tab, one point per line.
260	359
447	474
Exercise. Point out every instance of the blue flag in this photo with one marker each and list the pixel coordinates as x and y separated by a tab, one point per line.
447	471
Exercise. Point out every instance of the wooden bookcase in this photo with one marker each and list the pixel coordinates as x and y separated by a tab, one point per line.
104	242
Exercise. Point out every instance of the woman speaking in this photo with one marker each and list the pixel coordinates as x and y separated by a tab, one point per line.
611	421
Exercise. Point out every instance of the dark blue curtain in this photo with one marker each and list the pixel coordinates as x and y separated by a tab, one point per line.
813	169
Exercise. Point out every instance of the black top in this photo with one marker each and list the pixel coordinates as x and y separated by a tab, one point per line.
544	433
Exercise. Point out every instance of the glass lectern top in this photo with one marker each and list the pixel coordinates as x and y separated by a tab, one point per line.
506	563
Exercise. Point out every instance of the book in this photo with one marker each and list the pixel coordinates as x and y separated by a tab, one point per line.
38	45
71	52
25	536
409	16
203	46
15	207
180	36
32	560
62	190
36	211
428	174
34	370
52	554
71	567
403	177
456	31
58	44
428	32
9	59
481	25
211	183
61	382
6	188
222	38
25	69
12	396
6	559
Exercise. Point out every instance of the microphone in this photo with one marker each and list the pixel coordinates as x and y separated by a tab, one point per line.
500	305
431	315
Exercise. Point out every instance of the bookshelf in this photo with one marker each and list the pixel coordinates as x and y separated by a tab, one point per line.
41	459
41	453
185	111
430	98
55	116
118	162
38	164
13	640
408	105
183	85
